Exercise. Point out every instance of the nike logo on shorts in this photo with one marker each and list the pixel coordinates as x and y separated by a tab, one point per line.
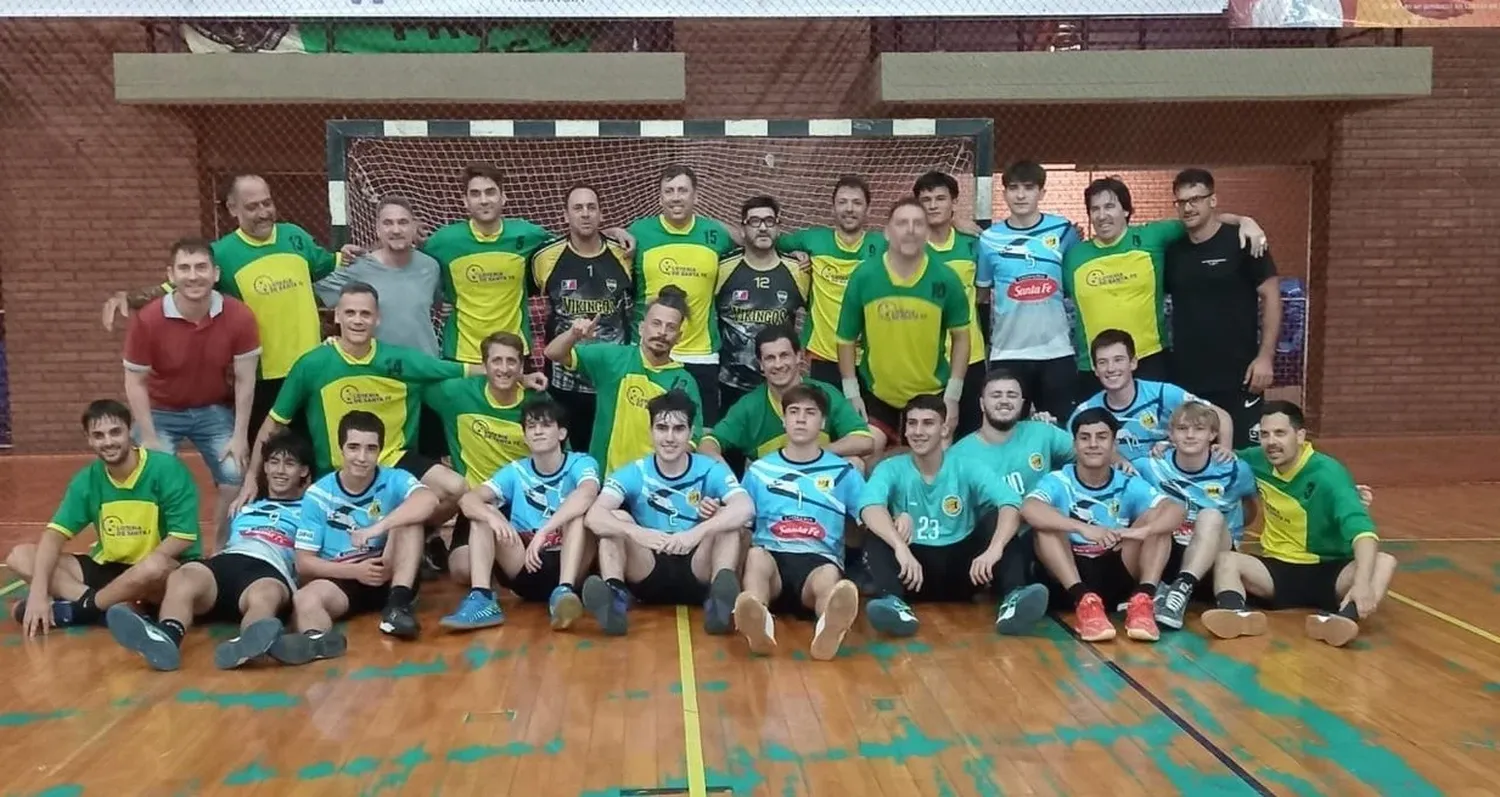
1251	402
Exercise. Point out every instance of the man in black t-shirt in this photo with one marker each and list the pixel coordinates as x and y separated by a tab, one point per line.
1216	286
757	288
583	275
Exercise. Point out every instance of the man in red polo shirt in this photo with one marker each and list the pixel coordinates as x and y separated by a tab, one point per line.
190	360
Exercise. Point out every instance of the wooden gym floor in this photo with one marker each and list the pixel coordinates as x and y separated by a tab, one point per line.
1408	709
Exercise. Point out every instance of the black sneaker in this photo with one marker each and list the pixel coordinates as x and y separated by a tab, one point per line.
298	649
609	605
1171	605
143	636
718	609
400	622
253	641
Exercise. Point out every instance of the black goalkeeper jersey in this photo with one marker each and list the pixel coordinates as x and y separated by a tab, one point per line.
750	299
576	286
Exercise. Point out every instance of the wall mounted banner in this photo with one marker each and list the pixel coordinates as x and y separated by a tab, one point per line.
623	9
1364	13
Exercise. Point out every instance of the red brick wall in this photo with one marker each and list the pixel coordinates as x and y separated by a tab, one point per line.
90	192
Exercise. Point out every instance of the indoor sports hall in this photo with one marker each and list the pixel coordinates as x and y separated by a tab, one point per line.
1359	133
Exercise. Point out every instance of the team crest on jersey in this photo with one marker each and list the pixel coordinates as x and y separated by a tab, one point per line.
952	505
781	297
374	510
1035	461
693	497
611	285
1214	491
1148	420
1049	241
823	483
1114	508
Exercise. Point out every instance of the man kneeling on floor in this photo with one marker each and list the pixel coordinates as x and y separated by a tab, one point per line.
542	544
359	546
660	545
803	496
250	582
941	547
1103	535
143	506
1319	548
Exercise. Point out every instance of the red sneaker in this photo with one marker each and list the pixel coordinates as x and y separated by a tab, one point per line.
1093	621
1140	618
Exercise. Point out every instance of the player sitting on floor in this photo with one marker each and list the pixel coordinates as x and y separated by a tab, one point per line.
1319	548
941	548
1141	406
1103	535
660	545
542	545
1212	489
359	546
250	581
803	495
143	506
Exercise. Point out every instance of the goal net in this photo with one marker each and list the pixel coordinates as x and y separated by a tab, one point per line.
422	161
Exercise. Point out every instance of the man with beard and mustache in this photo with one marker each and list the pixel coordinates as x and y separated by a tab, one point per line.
628	376
584	275
959	539
143	506
757	289
1319	547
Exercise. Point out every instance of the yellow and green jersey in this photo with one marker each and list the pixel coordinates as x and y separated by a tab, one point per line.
1120	287
687	257
484	434
904	325
131	517
960	253
833	262
326	384
484	278
625	382
754	425
275	277
1312	510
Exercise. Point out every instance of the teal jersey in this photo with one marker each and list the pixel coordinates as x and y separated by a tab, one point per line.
1117	504
670	503
530	498
800	507
1033	450
943	511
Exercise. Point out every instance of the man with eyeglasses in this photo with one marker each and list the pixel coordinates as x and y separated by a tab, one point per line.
757	288
1219	351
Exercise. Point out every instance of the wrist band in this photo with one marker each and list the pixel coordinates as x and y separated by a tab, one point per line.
851	388
955	389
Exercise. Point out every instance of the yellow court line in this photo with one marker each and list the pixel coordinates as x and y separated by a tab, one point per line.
692	733
1447	618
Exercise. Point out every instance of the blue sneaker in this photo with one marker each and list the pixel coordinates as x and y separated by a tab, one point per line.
609	605
891	616
475	612
564	607
718	610
1022	609
62	613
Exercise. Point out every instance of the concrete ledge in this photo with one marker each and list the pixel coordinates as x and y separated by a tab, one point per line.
1351	73
217	78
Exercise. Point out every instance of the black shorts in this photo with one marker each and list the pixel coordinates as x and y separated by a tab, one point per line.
1203	590
1047	384
883	415
233	574
824	371
1106	576
970	413
534	587
671	583
97	576
432	441
707	377
364	598
1244	410
460	536
795	569
581	407
1313	586
416	463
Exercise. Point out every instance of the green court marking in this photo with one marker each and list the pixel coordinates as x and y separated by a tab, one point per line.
703	686
405	669
249	775
884	703
478	655
981	769
256	701
17	719
1429	564
363	765
63	790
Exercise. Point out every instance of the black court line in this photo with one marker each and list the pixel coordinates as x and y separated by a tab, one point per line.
1177	719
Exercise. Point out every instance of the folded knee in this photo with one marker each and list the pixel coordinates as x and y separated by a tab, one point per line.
20	558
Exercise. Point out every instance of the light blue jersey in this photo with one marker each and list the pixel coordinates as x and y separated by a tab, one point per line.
330	513
267	530
529	498
1116	505
1024	270
945	511
1217	485
670	504
1143	424
800	507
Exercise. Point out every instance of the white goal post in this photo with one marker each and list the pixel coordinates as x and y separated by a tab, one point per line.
795	161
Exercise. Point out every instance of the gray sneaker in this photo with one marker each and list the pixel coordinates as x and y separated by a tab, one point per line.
1171	605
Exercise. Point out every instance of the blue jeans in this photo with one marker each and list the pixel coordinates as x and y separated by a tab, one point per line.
210	429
